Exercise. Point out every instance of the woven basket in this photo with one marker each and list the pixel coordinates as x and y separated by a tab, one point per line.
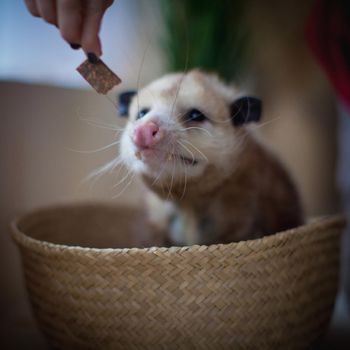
271	293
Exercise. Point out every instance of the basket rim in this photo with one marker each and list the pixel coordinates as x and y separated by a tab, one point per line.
26	241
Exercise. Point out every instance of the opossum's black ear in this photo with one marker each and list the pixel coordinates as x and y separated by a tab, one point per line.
245	110
124	102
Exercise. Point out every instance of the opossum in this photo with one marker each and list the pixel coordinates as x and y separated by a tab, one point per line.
210	178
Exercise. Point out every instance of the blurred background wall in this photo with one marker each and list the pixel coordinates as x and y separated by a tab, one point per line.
44	102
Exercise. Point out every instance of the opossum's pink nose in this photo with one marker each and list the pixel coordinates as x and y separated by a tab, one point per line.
147	134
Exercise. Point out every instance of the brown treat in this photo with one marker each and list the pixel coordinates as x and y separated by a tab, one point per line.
99	76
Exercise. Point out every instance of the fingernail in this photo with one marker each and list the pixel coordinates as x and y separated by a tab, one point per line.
75	46
92	57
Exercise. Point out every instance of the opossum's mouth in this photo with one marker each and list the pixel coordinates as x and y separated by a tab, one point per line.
182	159
187	161
149	154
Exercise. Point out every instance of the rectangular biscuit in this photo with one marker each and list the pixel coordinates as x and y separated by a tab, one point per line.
99	76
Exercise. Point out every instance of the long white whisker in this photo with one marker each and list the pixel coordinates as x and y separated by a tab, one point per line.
125	187
171	121
185	181
160	174
187	149
197	128
172	174
101	125
139	74
171	142
117	163
185	69
94	150
171	181
196	148
185	184
258	126
176	95
103	169
123	179
97	173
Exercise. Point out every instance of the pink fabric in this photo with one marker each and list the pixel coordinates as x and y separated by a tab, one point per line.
328	34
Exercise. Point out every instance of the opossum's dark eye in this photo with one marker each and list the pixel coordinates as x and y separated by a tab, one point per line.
142	113
194	115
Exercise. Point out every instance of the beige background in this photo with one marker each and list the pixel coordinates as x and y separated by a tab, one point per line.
40	124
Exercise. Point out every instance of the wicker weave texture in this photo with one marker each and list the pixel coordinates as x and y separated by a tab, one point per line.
271	293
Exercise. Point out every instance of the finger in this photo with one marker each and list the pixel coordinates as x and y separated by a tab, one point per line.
47	9
93	14
32	8
107	3
69	18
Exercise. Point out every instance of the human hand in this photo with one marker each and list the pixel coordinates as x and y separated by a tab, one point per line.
78	21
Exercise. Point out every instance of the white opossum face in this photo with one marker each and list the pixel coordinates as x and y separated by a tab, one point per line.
178	125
